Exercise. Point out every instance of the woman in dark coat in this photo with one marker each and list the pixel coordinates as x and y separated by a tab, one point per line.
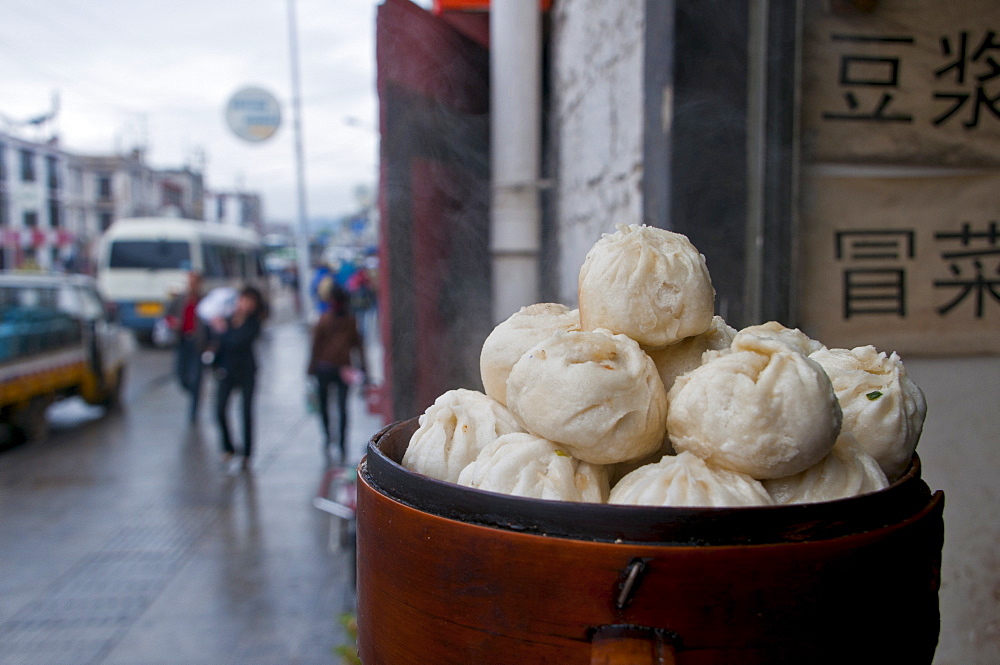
236	367
337	347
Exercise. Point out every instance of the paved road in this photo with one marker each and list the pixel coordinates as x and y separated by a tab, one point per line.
124	541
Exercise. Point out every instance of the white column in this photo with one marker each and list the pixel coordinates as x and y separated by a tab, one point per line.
515	93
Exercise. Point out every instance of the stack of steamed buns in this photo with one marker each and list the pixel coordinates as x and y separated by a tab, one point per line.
643	396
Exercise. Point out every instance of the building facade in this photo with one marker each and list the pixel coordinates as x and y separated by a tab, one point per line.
55	204
34	229
836	163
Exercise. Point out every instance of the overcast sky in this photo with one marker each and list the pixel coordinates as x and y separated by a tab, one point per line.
159	73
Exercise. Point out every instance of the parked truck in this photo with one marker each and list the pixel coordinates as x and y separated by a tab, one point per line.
58	339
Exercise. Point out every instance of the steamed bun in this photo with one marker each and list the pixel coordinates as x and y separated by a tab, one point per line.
453	430
847	471
595	394
676	359
765	415
527	465
883	409
510	339
672	361
686	480
772	336
648	283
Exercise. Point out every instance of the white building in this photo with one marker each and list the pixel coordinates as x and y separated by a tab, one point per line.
54	204
35	229
235	207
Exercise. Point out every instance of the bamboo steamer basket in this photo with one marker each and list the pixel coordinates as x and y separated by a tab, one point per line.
449	575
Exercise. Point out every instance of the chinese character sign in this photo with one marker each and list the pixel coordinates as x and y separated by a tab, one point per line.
874	281
915	82
971	93
973	258
910	264
868	81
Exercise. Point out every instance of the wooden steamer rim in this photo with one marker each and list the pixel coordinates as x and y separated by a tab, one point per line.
752	525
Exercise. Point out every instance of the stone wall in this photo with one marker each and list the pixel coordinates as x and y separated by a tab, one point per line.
597	104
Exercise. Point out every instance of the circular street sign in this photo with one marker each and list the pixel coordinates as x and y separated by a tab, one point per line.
253	114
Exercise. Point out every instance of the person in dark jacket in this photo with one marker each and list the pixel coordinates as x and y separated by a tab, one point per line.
337	349
236	367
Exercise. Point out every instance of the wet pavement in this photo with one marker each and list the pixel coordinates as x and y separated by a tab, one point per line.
125	541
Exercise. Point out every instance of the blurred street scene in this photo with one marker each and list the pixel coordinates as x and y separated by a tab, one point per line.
837	164
124	540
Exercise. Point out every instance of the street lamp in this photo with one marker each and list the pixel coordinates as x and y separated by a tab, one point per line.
302	244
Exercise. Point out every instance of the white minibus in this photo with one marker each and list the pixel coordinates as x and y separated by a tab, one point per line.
142	262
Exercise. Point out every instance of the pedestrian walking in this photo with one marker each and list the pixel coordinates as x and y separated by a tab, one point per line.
322	279
337	354
293	284
191	336
236	366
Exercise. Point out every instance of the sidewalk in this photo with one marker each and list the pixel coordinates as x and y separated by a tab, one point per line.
124	541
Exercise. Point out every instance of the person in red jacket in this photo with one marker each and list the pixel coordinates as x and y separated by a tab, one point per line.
337	353
192	336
